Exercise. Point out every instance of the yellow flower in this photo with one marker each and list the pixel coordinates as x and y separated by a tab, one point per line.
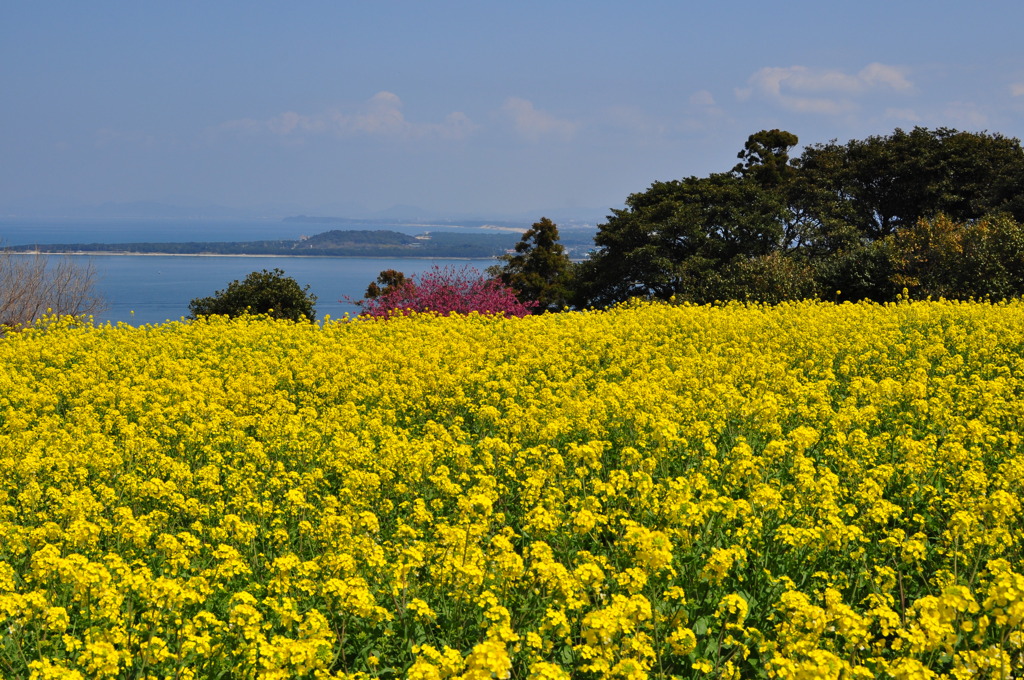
543	670
683	641
836	487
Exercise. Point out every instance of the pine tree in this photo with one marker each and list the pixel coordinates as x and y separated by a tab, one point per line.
540	269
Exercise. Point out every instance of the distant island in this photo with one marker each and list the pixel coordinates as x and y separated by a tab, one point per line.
334	243
382	224
478	241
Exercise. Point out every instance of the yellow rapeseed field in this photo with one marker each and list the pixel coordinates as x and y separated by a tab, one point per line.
802	491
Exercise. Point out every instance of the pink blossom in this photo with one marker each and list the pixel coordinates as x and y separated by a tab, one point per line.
447	290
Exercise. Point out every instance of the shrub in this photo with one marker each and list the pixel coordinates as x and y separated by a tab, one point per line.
940	257
264	292
771	278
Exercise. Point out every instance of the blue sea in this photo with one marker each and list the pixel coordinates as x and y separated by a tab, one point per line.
143	289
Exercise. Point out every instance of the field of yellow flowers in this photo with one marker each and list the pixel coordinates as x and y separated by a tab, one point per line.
802	491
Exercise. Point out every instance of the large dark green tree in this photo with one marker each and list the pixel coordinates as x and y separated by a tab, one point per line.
263	292
777	226
813	221
879	187
885	183
676	238
539	270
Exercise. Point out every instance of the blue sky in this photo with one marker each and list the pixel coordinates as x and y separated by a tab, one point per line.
466	107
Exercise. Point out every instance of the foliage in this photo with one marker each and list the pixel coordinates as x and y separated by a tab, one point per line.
32	286
387	281
441	290
540	270
942	258
263	292
771	278
672	239
765	158
860	271
831	208
799	491
890	182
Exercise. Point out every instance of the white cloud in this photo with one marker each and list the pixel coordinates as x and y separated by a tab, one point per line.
705	108
830	92
874	76
380	116
1017	89
533	125
456	125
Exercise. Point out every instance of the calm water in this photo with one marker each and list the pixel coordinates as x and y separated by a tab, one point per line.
141	289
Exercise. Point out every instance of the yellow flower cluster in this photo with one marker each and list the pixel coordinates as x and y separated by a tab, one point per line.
801	491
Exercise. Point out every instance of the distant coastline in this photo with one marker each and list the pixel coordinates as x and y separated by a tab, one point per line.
126	253
492	241
335	243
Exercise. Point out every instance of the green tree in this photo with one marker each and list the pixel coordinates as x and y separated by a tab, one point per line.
940	257
829	213
884	183
766	159
813	222
263	292
676	238
861	271
540	269
387	281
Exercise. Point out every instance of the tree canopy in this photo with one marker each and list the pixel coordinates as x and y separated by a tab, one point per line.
834	218
890	182
263	292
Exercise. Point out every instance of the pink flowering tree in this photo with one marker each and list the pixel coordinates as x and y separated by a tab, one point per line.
445	290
